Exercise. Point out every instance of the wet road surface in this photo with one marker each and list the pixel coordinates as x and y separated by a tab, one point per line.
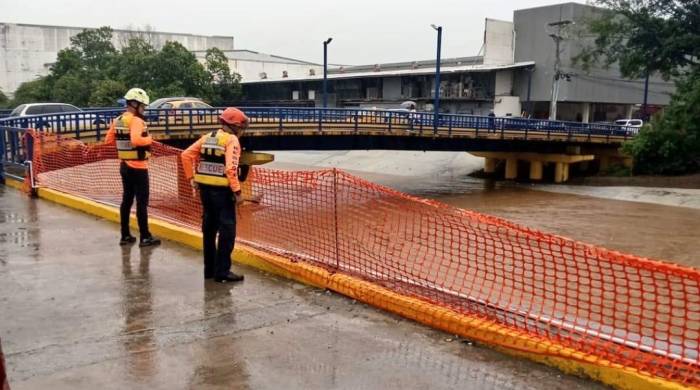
79	312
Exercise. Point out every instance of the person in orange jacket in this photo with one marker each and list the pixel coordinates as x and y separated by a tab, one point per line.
130	134
215	156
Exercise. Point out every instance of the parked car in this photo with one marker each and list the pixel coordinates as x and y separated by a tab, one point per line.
635	123
631	125
67	116
179	110
630	122
175	102
43	108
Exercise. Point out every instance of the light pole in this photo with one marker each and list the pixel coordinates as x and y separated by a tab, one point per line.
436	104
325	71
558	75
645	107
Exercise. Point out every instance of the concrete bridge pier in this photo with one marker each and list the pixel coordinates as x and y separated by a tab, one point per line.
490	165
537	161
511	168
536	169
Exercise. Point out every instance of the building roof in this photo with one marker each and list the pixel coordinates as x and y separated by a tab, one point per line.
410	65
367	72
116	30
250	55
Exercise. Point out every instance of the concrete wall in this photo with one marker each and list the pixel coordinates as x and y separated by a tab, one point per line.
507	106
391	88
27	51
504	83
498	42
602	85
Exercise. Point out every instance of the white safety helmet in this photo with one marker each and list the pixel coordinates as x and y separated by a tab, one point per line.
139	95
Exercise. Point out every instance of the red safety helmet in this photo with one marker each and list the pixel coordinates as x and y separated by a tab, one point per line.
234	117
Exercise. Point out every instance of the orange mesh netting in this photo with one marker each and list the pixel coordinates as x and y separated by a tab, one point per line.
617	307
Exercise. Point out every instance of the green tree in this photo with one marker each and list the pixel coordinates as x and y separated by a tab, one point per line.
133	67
645	36
32	92
656	36
225	84
72	88
4	101
106	93
175	68
671	143
95	49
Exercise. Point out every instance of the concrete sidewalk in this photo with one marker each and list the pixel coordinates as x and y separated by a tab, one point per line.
79	312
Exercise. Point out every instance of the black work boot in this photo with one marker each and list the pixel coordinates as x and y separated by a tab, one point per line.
231	277
126	240
149	241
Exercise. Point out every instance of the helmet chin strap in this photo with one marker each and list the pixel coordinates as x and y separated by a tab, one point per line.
135	105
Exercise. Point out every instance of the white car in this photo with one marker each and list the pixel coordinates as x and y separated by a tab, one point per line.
633	124
42	109
67	116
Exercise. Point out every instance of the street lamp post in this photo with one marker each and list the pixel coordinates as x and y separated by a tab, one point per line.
436	104
645	107
325	71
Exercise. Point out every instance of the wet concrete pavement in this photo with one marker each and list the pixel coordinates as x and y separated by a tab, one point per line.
79	312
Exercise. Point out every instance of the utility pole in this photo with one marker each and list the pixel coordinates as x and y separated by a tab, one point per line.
558	74
436	104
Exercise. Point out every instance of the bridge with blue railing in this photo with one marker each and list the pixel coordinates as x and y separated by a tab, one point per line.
285	128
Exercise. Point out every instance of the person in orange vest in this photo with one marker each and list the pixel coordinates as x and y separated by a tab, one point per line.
215	156
130	134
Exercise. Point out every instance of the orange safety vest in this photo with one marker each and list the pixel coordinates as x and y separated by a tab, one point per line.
125	150
211	169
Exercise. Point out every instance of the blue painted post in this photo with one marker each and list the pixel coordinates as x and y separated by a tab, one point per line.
3	155
77	128
189	115
437	79
13	146
167	121
30	146
98	120
325	71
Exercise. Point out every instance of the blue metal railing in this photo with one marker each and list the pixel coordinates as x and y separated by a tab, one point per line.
15	152
93	124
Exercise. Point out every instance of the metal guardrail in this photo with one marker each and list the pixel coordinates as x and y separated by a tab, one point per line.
15	151
93	124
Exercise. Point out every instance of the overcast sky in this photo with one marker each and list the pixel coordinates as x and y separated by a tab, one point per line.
363	31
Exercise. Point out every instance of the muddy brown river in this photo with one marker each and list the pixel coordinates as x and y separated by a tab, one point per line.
652	230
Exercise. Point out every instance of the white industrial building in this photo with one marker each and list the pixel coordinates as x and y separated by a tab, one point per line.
27	51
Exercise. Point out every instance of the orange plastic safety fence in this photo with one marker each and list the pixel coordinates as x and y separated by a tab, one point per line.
617	307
